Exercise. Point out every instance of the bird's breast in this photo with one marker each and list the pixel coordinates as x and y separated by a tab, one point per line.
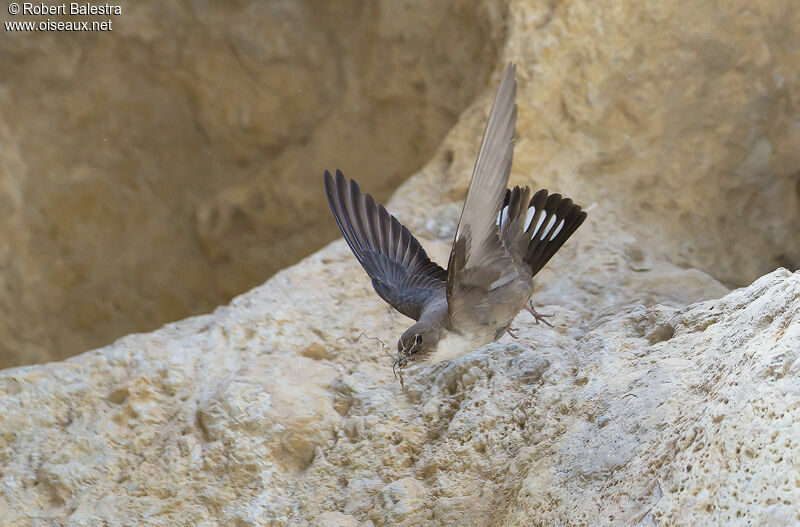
454	345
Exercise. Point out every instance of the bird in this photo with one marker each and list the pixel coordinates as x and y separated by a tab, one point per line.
503	239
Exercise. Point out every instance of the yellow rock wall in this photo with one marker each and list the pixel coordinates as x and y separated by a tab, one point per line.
154	171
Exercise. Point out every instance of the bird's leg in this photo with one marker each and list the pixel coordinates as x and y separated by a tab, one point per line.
508	330
537	317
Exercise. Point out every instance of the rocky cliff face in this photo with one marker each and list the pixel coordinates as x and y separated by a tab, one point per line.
155	171
660	398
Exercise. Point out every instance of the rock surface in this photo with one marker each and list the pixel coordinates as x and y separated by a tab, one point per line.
155	171
268	413
660	397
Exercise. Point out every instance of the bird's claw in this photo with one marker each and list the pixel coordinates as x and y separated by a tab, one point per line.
539	317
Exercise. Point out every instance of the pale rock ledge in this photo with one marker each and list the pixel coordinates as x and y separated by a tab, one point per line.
657	416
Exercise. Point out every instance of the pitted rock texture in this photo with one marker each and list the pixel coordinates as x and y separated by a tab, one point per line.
156	171
683	115
682	415
661	397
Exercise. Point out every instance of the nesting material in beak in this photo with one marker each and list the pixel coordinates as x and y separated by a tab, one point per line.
401	362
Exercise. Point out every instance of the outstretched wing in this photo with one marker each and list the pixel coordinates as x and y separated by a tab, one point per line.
401	272
479	261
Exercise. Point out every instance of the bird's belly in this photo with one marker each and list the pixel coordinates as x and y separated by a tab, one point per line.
454	345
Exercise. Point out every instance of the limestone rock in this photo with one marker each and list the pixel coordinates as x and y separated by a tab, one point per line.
686	414
155	171
660	398
681	115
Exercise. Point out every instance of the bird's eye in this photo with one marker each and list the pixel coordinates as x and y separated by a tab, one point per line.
417	339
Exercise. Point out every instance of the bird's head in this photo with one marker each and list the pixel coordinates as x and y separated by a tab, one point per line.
416	344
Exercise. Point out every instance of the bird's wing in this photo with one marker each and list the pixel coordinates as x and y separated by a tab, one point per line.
479	261
401	272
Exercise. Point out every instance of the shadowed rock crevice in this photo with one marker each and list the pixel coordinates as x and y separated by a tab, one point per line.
157	173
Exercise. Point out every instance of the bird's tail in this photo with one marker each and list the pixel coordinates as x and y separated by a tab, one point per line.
549	221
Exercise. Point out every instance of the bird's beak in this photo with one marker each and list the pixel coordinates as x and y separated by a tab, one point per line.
401	362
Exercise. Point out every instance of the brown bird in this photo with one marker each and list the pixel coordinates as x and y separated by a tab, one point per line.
504	237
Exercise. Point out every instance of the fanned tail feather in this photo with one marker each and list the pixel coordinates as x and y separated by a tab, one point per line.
539	230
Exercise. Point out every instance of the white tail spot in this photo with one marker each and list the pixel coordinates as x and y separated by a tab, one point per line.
502	216
538	224
548	226
503	280
529	217
558	229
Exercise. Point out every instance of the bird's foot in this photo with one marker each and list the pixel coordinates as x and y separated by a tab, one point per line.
513	336
538	317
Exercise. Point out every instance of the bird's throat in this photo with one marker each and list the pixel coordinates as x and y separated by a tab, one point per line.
453	345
